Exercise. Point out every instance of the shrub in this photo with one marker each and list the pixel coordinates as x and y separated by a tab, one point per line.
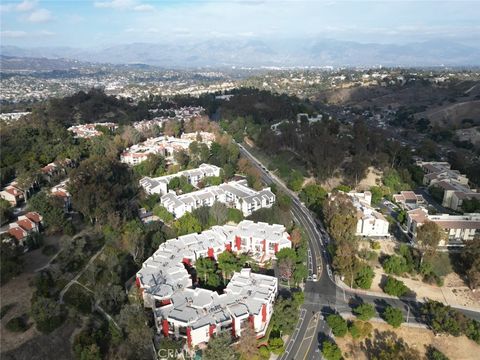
393	316
331	351
338	325
364	277
375	245
264	353
360	329
395	287
17	324
364	311
275	345
79	299
395	265
234	215
433	353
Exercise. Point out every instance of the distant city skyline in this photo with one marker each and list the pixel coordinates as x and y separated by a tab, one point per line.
90	24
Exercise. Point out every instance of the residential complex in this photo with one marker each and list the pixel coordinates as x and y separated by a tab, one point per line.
196	314
234	194
12	194
370	223
458	228
90	130
162	145
24	226
159	185
408	200
455	185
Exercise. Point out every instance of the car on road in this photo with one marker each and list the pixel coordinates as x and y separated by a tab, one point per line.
314	277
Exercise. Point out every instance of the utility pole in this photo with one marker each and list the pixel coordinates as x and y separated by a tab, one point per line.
408	312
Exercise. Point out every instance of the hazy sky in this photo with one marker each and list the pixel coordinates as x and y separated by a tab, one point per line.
91	23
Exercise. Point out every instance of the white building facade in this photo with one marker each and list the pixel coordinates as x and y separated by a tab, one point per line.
197	314
370	222
234	194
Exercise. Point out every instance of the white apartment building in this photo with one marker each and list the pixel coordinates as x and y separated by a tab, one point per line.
370	223
162	145
234	194
197	314
458	228
159	185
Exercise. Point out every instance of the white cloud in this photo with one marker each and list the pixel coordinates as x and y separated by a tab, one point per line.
124	5
114	4
26	5
144	7
40	15
13	34
47	33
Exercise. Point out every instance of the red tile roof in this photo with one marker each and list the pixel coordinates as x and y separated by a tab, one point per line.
17	232
26	224
34	216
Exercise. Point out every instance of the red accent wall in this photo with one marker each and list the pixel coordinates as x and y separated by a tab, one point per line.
238	242
211	329
210	253
264	245
186	261
137	282
165	327
276	248
233	327
189	337
264	313
251	320
228	247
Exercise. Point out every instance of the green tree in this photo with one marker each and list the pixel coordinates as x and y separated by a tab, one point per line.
471	205
433	353
228	264
275	345
205	268
471	261
51	208
133	321
247	345
101	187
331	351
395	264
11	262
219	348
286	260
163	213
364	277
337	324
364	311
395	287
187	224
47	313
155	165
313	196
360	329
219	213
234	215
428	237
133	240
295	180
393	316
6	211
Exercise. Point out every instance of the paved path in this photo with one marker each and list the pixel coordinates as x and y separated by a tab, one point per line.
74	280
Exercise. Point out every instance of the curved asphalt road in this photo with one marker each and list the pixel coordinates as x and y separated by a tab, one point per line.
324	295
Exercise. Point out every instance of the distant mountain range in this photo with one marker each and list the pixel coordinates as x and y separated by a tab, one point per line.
256	53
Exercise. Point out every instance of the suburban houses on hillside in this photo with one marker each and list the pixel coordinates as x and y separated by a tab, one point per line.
159	185
455	185
12	194
87	131
234	194
197	314
24	226
408	200
163	145
458	228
